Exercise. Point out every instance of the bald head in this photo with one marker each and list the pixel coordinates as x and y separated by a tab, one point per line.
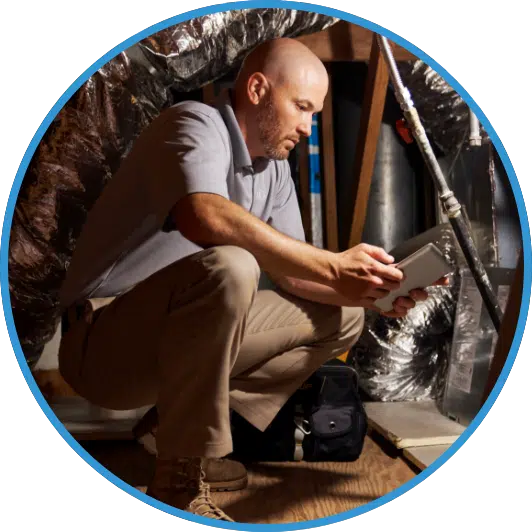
281	84
283	61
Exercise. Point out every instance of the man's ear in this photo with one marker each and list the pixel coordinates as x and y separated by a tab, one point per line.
258	87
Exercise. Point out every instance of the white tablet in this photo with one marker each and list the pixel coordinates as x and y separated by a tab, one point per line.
422	269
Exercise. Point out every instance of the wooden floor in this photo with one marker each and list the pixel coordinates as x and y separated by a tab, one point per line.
280	492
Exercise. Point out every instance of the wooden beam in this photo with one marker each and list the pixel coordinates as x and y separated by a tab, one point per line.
344	41
368	138
507	330
329	173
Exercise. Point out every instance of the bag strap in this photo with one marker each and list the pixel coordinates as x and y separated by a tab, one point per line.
301	430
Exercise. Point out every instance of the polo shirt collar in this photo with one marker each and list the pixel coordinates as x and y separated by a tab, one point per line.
241	157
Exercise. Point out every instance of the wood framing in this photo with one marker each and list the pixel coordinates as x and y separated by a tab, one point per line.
329	174
368	138
344	41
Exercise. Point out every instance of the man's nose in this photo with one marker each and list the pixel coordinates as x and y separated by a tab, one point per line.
305	128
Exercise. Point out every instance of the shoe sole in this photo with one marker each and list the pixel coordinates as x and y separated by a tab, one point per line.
233	485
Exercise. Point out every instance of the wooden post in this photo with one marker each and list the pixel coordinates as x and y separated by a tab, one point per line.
368	138
329	173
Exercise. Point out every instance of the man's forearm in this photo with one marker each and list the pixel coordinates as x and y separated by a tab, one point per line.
362	273
313	291
211	220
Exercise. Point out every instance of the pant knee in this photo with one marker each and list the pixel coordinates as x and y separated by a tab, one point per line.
343	331
351	325
237	273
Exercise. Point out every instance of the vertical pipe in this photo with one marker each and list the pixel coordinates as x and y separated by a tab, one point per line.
449	202
474	130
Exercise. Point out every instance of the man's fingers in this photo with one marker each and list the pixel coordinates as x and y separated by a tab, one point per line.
383	284
391	273
395	313
390	285
418	294
378	293
377	253
401	307
443	281
404	303
381	287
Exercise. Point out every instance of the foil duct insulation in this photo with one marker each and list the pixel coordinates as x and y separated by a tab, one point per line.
407	359
443	112
196	52
88	138
78	154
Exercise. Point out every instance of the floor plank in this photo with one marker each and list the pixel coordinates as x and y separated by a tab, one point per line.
280	492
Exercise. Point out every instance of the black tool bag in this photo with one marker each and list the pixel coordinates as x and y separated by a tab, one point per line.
324	421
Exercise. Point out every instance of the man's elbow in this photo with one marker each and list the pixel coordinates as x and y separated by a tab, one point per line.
195	220
288	284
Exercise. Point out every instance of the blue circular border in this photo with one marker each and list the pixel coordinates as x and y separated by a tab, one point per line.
216	9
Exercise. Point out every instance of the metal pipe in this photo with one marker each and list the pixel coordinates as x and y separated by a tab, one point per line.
474	130
450	204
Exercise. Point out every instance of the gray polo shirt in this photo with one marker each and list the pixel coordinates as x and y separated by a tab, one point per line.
189	148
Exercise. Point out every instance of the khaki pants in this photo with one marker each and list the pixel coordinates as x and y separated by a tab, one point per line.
197	338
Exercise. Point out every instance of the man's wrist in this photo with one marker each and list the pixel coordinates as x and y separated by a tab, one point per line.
332	269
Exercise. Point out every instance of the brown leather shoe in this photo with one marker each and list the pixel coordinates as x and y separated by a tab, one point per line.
181	483
221	474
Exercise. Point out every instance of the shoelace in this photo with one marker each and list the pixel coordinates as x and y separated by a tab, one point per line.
204	505
191	477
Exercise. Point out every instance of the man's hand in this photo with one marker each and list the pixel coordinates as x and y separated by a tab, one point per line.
402	305
365	274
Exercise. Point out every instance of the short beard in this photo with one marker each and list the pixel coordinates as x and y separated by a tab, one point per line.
270	131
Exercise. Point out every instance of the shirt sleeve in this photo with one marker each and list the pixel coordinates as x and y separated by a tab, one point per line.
286	215
187	154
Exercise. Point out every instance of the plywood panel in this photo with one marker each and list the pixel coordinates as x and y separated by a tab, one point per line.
412	424
423	456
